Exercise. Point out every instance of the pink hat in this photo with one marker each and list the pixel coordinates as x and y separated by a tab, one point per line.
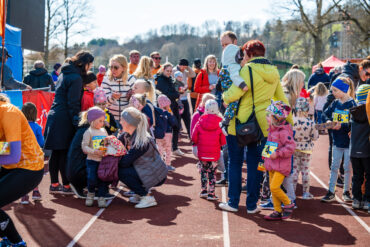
99	96
279	109
163	101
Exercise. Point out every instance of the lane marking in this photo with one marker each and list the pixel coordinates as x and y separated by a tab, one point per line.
91	221
359	220
225	221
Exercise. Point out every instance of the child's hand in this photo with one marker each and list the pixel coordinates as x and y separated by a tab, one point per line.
99	152
329	124
273	156
349	134
245	89
337	126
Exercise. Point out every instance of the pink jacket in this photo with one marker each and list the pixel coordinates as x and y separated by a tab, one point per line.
208	136
195	118
283	136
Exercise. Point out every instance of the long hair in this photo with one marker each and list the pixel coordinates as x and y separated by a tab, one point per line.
206	60
142	137
83	118
148	87
81	59
122	60
144	69
291	82
320	89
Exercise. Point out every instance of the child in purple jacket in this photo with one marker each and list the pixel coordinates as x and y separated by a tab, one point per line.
277	155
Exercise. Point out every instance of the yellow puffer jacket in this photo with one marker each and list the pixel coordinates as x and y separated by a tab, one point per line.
266	83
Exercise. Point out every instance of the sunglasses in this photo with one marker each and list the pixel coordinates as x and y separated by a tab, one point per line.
157	58
114	67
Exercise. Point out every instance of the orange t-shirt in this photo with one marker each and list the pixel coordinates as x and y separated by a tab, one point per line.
155	71
14	127
368	106
131	68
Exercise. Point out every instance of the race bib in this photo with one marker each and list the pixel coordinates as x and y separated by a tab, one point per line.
341	116
4	148
269	148
97	142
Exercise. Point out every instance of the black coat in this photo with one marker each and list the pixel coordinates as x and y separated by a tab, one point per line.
39	78
63	116
166	86
360	132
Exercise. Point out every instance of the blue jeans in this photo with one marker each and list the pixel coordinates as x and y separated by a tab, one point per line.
254	177
318	114
93	181
335	164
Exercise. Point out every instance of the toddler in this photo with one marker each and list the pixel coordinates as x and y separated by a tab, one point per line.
319	99
90	82
100	100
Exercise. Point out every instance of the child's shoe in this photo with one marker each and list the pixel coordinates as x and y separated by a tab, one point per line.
346	196
267	206
66	190
134	199
203	194
89	199
128	193
36	195
307	196
329	197
221	182
55	189
212	197
224	127
171	168
25	200
356	204
274	216
5	242
20	244
365	205
146	202
288	210
102	202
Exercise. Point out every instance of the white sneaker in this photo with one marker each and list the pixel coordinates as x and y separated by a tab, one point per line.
134	199
225	206
254	211
307	196
178	152
146	202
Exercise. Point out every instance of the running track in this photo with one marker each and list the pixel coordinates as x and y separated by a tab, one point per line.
183	219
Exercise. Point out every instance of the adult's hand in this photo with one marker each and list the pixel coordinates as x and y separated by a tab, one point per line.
211	87
116	95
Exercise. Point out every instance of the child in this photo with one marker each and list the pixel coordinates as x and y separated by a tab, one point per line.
208	137
90	83
139	101
91	145
30	112
164	145
277	155
360	150
304	135
142	86
338	112
180	87
100	100
319	99
231	59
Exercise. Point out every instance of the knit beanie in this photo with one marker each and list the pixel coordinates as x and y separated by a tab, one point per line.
279	109
128	118
302	104
211	107
177	74
94	113
88	78
184	62
99	96
102	69
341	85
361	93
163	101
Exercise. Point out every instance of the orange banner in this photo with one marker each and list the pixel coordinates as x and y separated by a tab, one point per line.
2	17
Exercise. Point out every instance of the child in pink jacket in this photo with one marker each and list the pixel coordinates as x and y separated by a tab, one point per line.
208	137
277	155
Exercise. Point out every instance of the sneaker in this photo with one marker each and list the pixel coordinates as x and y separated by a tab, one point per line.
25	200
365	205
267	206
102	202
368	207
356	204
329	197
226	207
5	242
20	244
203	194
55	189
66	190
36	195
89	199
80	193
254	211
264	199
288	210
129	193
171	168
178	152
346	196
221	182
274	216
134	199
340	182
146	202
109	196
295	204
307	196
212	197
244	188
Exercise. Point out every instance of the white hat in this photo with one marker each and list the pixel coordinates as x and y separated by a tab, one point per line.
211	107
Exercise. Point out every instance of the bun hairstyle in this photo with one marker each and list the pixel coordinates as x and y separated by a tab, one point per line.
81	59
135	118
138	101
148	87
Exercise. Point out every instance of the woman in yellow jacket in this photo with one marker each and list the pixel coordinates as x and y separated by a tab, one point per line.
266	83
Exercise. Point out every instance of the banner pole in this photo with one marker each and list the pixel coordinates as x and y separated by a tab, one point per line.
3	43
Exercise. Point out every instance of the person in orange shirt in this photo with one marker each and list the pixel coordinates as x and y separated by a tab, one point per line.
156	57
134	61
100	75
22	165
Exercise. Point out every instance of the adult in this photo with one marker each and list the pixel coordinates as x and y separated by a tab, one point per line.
368	108
207	78
134	61
142	167
364	72
8	82
144	70
100	75
21	169
56	71
63	117
117	85
318	76
197	66
266	83
166	86
156	57
39	77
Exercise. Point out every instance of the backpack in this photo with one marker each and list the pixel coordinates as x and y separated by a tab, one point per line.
159	122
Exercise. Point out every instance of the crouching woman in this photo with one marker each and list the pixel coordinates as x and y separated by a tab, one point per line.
142	167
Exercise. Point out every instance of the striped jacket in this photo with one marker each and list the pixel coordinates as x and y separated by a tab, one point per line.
116	85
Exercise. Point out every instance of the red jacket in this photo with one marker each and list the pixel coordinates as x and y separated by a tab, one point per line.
208	136
201	85
100	78
87	100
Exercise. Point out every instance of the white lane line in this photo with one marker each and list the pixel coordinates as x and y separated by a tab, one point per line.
225	221
362	223
91	221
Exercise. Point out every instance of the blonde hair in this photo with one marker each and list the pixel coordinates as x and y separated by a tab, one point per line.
142	137
4	98
205	97
291	82
144	68
83	118
206	60
140	97
148	87
164	66
351	91
320	89
122	60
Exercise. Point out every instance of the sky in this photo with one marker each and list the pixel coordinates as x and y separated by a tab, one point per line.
122	20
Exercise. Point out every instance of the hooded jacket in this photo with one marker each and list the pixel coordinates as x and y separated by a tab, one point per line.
165	85
39	78
202	85
208	136
360	131
318	76
351	70
229	61
195	118
266	81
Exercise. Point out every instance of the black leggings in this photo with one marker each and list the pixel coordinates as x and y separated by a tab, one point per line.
175	129
15	183
186	116
58	163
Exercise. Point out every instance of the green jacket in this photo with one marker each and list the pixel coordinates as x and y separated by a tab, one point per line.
266	83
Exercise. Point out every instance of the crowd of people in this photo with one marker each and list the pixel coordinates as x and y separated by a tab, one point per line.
124	124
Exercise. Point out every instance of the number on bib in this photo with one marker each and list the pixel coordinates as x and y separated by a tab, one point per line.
341	116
